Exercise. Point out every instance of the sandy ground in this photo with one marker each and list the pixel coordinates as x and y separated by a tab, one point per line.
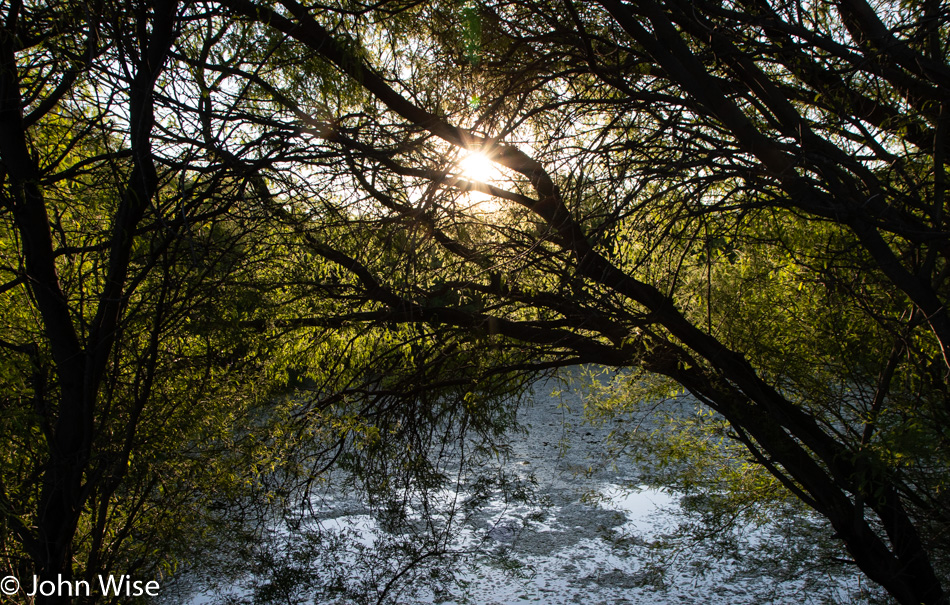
601	537
594	534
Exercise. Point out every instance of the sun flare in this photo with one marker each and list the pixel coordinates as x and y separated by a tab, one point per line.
477	166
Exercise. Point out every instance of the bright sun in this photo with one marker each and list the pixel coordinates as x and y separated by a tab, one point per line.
475	166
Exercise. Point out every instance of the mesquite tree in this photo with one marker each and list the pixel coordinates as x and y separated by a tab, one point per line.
746	197
208	201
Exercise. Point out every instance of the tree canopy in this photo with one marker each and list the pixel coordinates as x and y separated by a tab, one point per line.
208	204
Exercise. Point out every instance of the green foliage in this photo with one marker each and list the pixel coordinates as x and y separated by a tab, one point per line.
238	251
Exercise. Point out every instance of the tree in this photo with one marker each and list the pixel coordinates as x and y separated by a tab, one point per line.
149	274
225	200
116	266
745	197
